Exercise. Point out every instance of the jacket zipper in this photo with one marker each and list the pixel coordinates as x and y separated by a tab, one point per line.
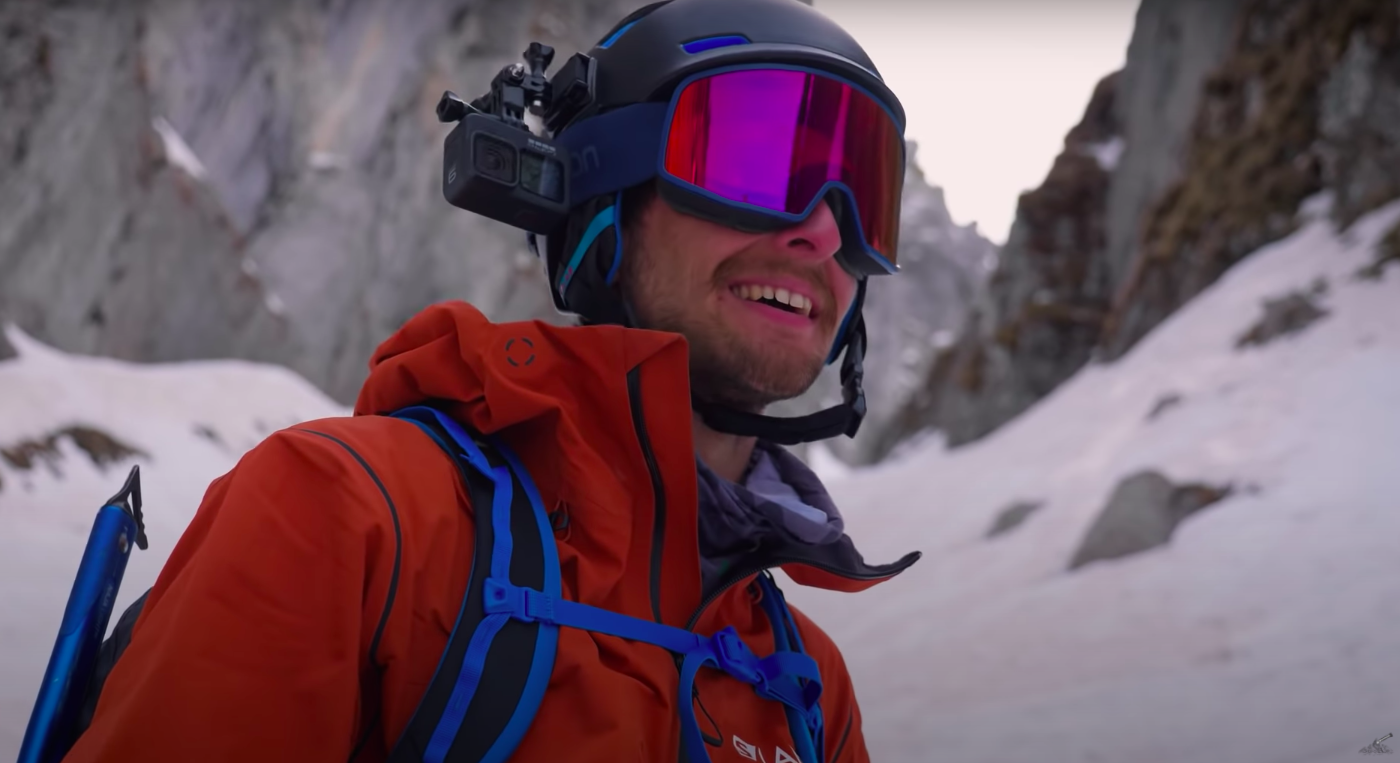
658	489
658	531
718	592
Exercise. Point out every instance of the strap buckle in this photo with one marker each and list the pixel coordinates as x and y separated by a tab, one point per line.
525	604
734	657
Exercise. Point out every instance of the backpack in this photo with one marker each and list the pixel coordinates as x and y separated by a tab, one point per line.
494	671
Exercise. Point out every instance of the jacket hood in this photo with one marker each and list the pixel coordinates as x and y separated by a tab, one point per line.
531	382
500	374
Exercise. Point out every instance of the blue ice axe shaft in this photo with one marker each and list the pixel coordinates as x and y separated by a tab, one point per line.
52	725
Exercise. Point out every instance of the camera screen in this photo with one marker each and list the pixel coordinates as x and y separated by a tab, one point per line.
542	176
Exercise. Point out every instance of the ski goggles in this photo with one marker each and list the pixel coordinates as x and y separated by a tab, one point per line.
757	148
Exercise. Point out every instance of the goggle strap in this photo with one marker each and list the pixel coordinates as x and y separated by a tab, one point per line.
614	150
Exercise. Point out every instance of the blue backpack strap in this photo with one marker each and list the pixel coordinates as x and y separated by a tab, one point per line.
491	677
785	676
807	729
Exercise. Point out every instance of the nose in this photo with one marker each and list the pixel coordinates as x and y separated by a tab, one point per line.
815	239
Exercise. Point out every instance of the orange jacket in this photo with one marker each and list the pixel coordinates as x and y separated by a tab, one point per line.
266	636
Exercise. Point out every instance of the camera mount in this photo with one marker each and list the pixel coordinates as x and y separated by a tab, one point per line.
492	164
516	89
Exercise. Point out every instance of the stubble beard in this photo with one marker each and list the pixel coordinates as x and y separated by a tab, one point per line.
732	371
726	367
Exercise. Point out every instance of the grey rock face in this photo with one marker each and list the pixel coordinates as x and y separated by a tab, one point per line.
1073	237
1291	111
1359	124
255	180
1143	512
1012	516
1174	48
1229	115
105	246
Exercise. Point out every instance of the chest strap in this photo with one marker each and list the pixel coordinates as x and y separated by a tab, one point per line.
771	677
788	676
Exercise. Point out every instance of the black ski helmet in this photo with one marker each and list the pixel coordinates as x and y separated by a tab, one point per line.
644	58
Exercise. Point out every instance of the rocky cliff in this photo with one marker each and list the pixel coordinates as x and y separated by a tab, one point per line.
256	180
1227	114
195	179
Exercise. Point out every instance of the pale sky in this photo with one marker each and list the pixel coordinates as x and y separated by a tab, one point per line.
990	86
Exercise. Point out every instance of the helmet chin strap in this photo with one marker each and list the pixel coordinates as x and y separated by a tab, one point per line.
837	420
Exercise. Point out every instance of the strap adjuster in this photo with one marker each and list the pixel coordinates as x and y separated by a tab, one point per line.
735	658
525	604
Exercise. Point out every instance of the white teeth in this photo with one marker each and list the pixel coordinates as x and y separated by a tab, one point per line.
754	292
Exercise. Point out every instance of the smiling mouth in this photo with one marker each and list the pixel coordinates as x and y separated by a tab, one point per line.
780	299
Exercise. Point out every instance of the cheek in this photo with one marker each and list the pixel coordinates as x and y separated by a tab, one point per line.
665	279
843	287
695	253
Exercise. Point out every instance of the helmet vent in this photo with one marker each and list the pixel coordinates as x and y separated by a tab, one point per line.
710	43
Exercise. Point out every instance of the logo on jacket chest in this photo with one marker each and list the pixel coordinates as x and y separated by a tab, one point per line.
520	351
761	754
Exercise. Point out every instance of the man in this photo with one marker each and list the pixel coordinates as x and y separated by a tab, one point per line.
307	611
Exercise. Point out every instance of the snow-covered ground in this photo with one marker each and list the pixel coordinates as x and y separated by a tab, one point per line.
1267	631
193	419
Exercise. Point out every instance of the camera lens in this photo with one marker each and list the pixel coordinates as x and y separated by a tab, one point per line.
494	158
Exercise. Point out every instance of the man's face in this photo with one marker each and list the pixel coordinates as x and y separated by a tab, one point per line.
696	278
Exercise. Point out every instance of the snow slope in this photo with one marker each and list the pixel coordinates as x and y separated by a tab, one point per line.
47	511
1267	631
